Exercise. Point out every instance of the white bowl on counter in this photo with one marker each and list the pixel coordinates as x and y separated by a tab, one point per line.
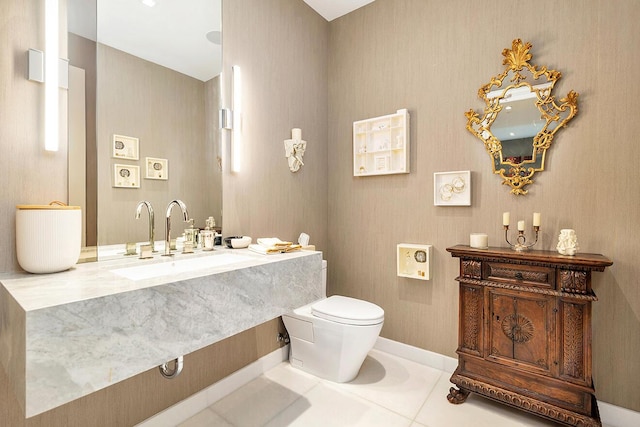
237	242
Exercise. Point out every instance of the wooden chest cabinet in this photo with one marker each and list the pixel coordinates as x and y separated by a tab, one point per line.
525	331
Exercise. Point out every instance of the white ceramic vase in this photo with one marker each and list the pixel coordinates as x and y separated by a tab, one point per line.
567	242
48	237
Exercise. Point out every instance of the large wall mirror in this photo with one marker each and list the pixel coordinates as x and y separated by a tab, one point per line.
150	76
521	117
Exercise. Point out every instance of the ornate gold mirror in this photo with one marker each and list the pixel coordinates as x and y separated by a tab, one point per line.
521	117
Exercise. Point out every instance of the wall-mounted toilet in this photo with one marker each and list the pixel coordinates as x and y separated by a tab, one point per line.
331	337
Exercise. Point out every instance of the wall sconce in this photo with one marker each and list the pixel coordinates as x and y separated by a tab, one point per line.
236	140
51	70
226	119
231	119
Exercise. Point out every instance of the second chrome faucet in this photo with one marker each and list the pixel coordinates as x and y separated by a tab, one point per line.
167	229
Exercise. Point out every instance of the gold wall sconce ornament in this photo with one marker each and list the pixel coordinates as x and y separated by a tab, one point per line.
521	117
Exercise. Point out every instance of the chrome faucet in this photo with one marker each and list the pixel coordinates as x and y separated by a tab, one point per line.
167	229
151	222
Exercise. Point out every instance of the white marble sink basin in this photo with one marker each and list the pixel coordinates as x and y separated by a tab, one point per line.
173	267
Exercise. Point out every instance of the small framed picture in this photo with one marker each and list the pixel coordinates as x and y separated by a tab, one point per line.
452	188
125	147
156	168
126	176
382	163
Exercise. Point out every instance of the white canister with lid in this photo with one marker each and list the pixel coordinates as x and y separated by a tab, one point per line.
48	237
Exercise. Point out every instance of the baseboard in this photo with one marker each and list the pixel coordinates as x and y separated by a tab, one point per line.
418	355
197	402
610	415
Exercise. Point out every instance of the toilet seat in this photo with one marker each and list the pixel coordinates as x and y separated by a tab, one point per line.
348	311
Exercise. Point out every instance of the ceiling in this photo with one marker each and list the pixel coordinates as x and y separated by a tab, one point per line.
173	32
332	9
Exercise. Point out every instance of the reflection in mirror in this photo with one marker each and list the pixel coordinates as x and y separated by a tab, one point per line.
521	117
155	75
516	127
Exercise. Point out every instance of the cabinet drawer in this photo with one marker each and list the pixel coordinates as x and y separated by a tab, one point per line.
520	275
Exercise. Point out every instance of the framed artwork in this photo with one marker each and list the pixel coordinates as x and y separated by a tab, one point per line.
382	163
126	176
381	145
156	168
414	261
452	188
125	147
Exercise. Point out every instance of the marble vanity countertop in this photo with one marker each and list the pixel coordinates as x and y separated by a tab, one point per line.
99	279
68	334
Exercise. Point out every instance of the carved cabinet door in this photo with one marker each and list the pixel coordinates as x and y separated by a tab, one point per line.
521	329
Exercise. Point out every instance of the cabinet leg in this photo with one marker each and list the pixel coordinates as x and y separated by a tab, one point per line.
457	396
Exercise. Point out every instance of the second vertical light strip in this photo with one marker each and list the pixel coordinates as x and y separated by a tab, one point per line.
236	140
51	117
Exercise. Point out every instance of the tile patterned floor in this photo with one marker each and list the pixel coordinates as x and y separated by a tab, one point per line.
388	392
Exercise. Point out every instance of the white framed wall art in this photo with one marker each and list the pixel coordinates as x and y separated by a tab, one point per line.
452	188
156	168
125	147
126	176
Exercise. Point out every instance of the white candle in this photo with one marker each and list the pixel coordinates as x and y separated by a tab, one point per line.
506	218
296	134
479	240
521	225
536	219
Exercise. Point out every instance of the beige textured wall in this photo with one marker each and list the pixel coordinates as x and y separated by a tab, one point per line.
281	47
431	57
166	111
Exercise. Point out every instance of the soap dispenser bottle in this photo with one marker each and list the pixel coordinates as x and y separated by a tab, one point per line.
190	238
208	234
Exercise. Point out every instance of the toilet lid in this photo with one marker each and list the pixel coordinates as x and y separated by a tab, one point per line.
349	311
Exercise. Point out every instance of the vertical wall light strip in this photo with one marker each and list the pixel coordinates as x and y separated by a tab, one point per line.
51	117
236	140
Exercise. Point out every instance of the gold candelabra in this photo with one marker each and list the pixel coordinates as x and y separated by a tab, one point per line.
521	241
